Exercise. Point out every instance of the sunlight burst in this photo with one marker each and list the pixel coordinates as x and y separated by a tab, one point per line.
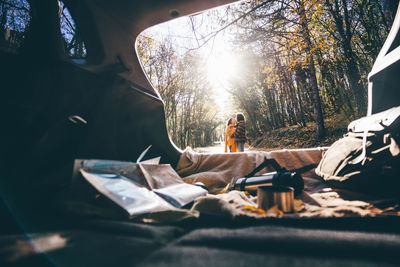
221	68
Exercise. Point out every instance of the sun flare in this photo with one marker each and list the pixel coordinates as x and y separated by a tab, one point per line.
221	68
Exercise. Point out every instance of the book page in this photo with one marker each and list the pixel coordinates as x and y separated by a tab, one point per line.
135	200
160	176
181	194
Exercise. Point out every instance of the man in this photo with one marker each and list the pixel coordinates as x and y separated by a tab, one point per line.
240	133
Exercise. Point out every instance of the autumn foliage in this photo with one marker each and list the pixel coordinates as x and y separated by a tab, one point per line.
301	62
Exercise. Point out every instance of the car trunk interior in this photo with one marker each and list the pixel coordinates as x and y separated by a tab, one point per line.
56	110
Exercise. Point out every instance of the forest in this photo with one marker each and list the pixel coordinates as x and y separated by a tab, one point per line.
296	62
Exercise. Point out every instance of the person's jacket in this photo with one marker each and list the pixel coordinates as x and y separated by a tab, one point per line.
229	140
240	133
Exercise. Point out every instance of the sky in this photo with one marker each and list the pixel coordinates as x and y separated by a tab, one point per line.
188	34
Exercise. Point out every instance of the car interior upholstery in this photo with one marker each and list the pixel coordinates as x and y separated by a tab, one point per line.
56	109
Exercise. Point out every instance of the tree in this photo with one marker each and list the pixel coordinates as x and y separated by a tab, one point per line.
190	114
300	61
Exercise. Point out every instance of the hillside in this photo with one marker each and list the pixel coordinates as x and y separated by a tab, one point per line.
300	137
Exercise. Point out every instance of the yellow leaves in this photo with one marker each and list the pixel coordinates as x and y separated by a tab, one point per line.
271	212
319	9
390	211
292	43
274	211
254	209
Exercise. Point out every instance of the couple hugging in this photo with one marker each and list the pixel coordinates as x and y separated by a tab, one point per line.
235	134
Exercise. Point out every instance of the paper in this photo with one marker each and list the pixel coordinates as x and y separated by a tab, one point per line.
139	188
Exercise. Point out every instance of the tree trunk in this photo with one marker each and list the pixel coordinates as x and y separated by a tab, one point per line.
343	27
317	107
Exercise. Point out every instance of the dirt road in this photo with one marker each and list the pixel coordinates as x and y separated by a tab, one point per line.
218	148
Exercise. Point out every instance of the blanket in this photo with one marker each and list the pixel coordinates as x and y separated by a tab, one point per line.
318	199
216	170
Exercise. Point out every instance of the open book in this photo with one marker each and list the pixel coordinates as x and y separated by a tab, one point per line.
138	188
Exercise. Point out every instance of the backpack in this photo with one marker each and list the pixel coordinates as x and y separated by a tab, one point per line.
367	158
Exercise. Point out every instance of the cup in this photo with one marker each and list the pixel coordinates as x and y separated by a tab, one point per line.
271	195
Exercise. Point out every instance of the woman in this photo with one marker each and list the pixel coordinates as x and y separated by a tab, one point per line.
229	140
240	132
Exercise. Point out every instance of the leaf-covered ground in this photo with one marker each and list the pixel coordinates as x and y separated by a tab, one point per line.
300	137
